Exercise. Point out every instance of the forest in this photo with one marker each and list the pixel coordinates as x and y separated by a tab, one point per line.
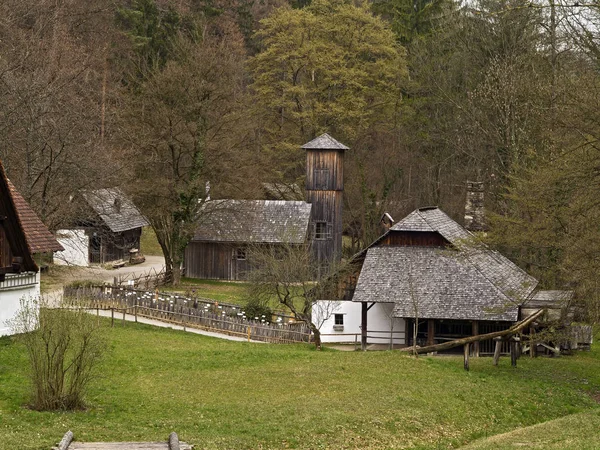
161	97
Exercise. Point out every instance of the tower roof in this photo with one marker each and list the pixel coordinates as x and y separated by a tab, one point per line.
324	142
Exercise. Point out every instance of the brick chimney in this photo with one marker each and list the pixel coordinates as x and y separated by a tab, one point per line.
474	211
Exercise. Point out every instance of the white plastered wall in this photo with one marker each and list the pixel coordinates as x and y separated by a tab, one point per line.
76	244
379	322
14	288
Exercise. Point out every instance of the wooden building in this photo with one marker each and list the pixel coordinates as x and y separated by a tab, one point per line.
324	190
228	228
22	235
217	250
107	226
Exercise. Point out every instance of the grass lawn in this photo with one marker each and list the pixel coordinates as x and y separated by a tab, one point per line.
228	395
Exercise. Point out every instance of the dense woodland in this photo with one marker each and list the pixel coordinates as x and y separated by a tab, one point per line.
162	96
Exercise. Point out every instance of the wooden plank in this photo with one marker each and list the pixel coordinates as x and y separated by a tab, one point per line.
125	446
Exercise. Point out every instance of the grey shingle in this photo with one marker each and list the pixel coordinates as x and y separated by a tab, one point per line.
324	142
441	283
254	221
115	209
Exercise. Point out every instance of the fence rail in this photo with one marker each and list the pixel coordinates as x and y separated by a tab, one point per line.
194	312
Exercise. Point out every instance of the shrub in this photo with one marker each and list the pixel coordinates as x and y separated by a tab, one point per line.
64	348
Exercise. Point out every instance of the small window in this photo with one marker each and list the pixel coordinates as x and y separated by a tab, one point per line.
240	254
322	230
339	319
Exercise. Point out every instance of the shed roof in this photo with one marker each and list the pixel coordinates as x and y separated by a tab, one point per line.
324	142
115	209
39	239
254	221
550	299
439	283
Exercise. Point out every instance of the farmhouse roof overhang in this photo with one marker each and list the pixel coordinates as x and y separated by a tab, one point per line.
115	209
254	221
431	283
448	281
39	239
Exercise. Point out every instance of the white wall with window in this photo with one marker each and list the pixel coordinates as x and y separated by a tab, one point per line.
339	322
15	287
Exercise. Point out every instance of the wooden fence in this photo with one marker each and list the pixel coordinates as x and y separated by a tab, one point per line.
201	313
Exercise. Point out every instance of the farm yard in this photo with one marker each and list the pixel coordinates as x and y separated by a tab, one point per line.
227	395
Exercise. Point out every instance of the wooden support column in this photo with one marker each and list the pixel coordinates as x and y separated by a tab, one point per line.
498	341
363	326
476	344
532	343
467	351
513	353
430	331
407	331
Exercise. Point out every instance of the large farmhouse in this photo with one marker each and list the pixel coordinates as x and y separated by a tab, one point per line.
107	226
429	269
22	235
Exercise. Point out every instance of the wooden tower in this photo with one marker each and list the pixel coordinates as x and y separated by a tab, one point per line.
324	189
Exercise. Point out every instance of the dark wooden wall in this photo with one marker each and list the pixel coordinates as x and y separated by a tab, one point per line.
5	253
413	238
324	190
214	260
113	246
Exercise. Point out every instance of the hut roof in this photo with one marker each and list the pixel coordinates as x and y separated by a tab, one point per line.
38	237
466	281
254	221
550	299
439	283
324	142
115	209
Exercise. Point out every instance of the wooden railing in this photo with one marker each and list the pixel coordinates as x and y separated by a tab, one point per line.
201	313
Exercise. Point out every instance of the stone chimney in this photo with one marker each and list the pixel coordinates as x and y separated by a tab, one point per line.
474	211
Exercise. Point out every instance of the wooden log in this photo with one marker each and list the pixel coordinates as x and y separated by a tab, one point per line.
65	441
482	337
498	341
173	441
466	353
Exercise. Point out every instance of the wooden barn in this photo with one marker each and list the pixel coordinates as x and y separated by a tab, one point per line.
217	251
107	226
428	268
219	248
22	235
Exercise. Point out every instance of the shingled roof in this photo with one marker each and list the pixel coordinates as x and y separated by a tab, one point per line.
324	142
39	239
466	281
115	209
254	221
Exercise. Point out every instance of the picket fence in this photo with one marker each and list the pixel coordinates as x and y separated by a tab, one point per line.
192	312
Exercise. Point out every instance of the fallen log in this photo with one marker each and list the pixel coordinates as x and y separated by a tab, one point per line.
478	338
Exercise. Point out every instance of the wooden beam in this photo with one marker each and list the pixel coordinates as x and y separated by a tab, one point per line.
430	332
498	341
363	326
481	337
476	343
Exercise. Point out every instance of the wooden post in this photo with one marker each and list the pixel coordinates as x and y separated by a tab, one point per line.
513	353
65	441
173	441
124	312
532	343
112	317
430	331
135	311
363	326
467	351
98	315
249	332
498	341
475	333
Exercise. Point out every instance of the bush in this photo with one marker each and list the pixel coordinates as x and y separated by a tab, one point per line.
64	348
